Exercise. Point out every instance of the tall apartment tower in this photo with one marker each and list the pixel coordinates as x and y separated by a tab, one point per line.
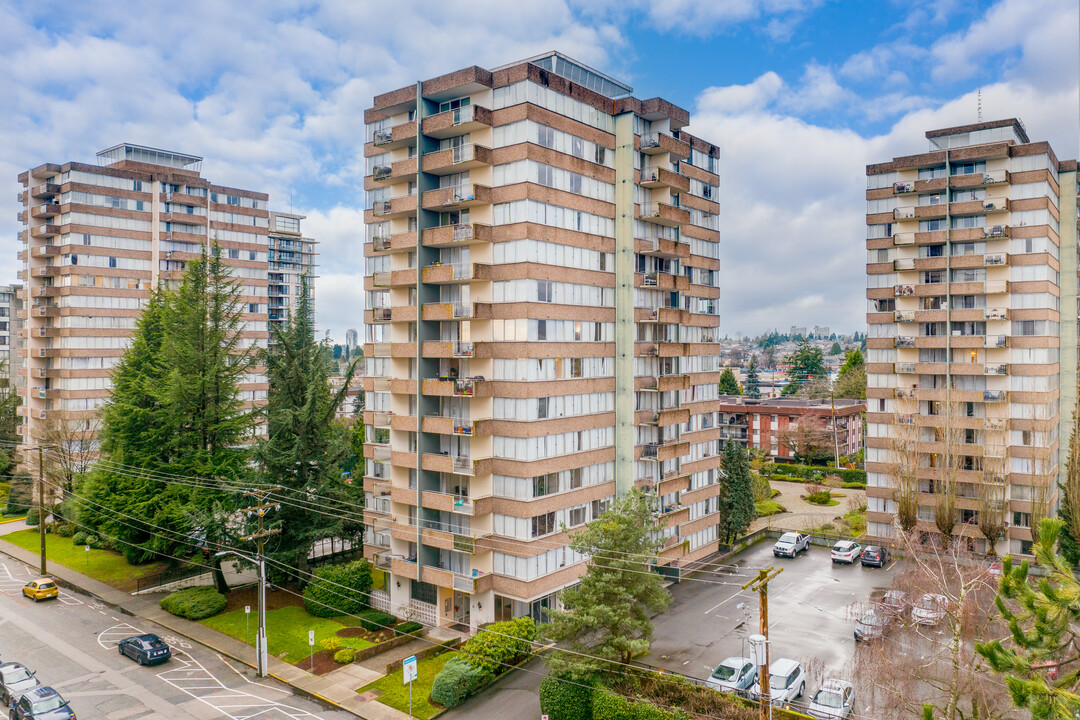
96	239
11	362
291	261
971	312
541	333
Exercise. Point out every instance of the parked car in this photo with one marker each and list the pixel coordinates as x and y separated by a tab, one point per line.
15	679
895	602
871	625
787	681
846	551
42	703
145	649
834	700
41	589
735	674
930	609
791	544
874	556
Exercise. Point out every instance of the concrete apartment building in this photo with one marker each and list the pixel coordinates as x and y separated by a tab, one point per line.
291	261
773	424
96	239
11	362
540	334
971	296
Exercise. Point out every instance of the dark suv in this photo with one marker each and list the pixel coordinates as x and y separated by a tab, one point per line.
42	703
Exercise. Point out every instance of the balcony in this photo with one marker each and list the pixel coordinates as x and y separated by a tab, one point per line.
449	425
903	290
996	205
400	135
904	367
382	172
394	207
996	287
904	341
995	341
46	251
454	273
401	242
904	213
992	396
995	177
457	121
456	159
381	279
995	259
664	247
901	188
664	214
659	177
904	264
997	314
904	238
461	234
999	369
456	387
460	196
657	142
381	314
454	311
996	231
44	231
46	210
44	190
904	315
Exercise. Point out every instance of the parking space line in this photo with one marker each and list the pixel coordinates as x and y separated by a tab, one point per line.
738	594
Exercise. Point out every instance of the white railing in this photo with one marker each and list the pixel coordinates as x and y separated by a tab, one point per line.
463	231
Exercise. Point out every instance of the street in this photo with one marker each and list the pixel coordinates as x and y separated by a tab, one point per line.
71	643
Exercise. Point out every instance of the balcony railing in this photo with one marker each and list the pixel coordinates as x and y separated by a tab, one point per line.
905	341
995	177
380	208
995	369
905	367
992	396
463	231
997	231
904	264
463	349
380	314
995	205
903	290
904	315
997	314
380	242
465	387
903	187
463	464
381	172
382	136
649	451
904	213
996	341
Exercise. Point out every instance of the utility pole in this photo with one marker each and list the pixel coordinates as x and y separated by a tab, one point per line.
761	584
259	537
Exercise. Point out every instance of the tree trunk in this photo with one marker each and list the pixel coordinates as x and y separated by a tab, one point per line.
219	577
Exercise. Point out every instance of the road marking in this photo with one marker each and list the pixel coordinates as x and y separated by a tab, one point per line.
738	594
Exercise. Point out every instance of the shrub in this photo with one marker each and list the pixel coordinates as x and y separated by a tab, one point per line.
456	682
375	620
765	508
344	656
5	490
64	529
565	700
833	481
853	486
500	644
822	497
331	643
194	603
408	628
32	517
607	706
762	490
95	542
339	590
20	495
79	538
807	472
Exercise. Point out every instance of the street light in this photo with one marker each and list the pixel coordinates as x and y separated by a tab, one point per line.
261	660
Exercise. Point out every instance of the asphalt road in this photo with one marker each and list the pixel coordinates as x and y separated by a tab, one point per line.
813	605
71	643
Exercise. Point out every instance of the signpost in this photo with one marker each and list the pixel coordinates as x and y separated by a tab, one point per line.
408	674
87	548
311	644
247	624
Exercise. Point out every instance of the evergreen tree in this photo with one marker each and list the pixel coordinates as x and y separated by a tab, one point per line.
1069	509
835	349
752	384
728	384
1044	620
806	362
607	614
736	493
304	448
851	380
9	423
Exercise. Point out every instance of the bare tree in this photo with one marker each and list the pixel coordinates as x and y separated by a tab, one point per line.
1042	464
904	443
808	441
917	664
73	449
992	489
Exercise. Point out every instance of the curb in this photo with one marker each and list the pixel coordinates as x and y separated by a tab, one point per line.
330	704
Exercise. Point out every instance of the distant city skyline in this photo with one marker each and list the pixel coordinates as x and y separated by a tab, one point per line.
799	96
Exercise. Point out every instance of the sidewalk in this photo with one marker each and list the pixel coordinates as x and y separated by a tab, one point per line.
329	690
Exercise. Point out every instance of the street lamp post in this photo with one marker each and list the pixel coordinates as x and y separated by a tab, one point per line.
261	660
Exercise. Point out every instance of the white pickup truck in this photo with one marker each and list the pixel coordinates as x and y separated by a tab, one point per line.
791	544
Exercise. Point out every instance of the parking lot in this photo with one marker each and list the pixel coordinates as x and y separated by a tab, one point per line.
812	609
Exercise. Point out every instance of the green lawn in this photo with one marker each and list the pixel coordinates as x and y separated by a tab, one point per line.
764	508
394	693
286	631
105	565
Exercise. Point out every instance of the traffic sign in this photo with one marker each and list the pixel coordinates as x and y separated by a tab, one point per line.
408	669
247	609
311	638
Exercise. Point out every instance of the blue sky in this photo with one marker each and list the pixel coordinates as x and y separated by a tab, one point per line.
799	94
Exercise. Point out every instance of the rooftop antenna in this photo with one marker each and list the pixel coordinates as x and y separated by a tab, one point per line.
291	191
980	97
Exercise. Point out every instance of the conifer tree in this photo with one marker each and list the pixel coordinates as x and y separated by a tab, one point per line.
728	384
736	494
751	383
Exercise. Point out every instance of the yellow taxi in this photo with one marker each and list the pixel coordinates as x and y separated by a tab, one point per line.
41	589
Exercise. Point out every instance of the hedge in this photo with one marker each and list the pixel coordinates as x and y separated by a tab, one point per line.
375	620
32	517
344	656
407	628
500	644
565	700
607	706
339	590
456	682
807	472
194	603
20	495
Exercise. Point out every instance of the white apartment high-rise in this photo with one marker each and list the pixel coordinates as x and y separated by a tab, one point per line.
971	344
540	334
291	261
